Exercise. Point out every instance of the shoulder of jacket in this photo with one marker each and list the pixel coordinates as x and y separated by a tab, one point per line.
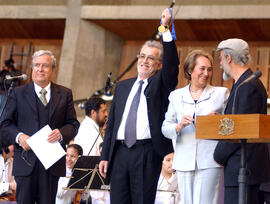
179	91
220	89
125	82
58	86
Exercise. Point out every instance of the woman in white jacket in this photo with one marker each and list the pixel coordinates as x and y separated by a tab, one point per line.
197	172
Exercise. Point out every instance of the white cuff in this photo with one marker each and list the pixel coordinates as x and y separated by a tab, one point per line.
17	138
167	36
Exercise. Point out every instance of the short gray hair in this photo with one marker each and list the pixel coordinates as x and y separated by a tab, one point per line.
242	59
154	44
45	52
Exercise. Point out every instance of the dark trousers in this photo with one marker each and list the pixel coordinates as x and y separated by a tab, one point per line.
135	174
39	187
85	201
231	194
264	197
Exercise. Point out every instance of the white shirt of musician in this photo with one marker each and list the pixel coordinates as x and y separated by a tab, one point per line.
4	181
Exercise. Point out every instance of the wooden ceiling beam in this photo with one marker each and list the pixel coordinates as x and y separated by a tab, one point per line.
184	12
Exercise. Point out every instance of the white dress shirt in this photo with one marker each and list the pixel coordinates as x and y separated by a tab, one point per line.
47	88
64	196
167	190
167	185
143	130
5	175
87	134
100	196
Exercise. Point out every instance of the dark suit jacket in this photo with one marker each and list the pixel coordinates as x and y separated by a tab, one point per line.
266	186
250	98
157	92
21	116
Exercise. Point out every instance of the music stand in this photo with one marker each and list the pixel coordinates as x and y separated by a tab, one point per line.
85	175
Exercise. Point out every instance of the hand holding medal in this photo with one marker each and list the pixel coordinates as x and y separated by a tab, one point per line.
166	21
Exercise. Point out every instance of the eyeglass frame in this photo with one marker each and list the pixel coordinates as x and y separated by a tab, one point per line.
150	58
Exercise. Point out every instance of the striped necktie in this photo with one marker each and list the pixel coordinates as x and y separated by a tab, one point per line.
42	97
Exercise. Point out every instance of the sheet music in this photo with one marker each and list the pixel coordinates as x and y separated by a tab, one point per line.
48	153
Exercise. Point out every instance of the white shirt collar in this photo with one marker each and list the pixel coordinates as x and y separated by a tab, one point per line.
145	81
90	120
38	88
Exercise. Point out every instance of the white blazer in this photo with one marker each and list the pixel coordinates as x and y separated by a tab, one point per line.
192	153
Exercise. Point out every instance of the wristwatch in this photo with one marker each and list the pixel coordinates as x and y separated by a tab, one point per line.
162	28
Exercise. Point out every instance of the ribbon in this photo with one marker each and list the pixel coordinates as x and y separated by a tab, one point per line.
173	28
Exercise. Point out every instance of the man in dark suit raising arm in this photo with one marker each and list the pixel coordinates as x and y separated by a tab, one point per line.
251	98
30	108
134	147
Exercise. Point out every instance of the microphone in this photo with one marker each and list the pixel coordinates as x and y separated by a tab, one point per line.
252	77
108	83
22	77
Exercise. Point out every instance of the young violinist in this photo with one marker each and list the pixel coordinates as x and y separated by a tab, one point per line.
72	155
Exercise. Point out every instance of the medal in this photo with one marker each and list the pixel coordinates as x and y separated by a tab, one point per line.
162	28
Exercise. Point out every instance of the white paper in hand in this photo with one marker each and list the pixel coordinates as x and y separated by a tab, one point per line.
47	153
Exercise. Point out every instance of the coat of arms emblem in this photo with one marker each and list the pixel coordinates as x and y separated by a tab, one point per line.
226	126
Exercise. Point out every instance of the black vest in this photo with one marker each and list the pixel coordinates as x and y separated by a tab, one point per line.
43	113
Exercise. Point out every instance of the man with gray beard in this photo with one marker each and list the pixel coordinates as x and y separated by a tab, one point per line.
251	98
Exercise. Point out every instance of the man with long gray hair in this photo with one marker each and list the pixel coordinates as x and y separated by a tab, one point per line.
30	108
250	98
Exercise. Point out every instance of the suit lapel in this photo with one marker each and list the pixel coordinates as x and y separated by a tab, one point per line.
150	80
228	108
186	97
124	92
206	94
55	99
246	74
30	96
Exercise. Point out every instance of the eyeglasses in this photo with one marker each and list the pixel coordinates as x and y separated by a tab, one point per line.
24	159
151	58
37	65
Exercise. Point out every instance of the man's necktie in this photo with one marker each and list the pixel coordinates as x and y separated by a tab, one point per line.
43	97
131	123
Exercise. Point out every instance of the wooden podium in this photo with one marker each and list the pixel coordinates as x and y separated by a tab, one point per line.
243	128
253	127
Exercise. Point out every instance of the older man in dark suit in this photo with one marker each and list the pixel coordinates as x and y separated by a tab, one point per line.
134	145
30	108
251	98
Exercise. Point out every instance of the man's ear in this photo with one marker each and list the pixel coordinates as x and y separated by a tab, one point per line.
159	66
229	58
93	113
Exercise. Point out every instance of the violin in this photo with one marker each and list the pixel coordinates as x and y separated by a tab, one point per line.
8	197
77	197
